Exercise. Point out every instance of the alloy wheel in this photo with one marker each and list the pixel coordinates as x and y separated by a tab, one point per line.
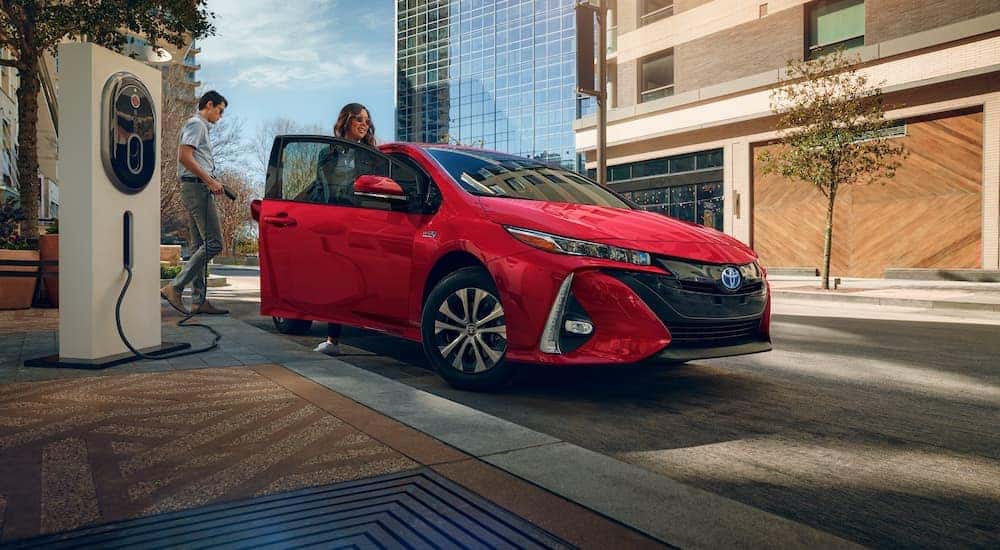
470	330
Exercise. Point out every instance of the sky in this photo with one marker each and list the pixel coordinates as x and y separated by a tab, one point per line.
302	60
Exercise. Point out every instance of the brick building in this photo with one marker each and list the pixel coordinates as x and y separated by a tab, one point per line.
690	84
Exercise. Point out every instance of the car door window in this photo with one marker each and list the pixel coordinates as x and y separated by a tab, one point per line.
423	196
322	171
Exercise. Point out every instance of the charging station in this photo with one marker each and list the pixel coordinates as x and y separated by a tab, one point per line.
109	144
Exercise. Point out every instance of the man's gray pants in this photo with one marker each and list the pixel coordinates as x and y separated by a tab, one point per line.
206	239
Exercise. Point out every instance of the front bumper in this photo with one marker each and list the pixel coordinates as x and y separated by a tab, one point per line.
701	316
681	354
637	314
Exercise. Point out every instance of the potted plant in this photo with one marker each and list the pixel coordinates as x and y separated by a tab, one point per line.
48	250
15	292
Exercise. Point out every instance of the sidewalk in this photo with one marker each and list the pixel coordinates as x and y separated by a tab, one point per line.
947	295
263	442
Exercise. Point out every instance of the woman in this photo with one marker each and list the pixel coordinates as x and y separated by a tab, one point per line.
339	168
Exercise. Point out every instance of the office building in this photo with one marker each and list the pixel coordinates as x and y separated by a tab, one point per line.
499	75
691	84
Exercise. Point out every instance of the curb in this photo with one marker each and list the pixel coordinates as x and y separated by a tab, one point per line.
657	506
883	301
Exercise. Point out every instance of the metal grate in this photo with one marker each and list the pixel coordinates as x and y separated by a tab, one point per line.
416	509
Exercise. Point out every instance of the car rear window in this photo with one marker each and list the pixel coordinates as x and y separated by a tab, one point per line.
492	174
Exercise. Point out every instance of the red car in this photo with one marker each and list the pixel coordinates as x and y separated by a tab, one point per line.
491	260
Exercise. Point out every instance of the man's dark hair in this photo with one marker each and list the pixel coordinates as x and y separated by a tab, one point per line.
213	96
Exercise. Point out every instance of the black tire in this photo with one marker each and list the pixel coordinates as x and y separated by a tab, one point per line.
475	359
291	326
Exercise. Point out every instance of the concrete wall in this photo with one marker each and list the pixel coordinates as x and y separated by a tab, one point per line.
685	5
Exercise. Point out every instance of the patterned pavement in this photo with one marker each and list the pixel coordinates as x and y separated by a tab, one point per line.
80	451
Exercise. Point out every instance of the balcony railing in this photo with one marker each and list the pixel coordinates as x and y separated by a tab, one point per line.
656	93
656	15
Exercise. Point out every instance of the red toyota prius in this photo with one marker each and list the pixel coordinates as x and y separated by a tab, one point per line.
491	260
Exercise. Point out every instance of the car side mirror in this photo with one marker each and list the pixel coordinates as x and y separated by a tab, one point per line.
378	187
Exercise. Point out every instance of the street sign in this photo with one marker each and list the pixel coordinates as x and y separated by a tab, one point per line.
585	49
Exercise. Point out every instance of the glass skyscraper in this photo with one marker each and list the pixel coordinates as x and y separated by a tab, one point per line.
498	75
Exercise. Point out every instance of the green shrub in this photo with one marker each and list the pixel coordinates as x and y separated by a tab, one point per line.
10	219
246	247
169	271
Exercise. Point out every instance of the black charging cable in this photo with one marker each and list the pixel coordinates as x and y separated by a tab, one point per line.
182	323
127	261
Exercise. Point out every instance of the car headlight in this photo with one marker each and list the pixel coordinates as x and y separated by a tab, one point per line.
576	247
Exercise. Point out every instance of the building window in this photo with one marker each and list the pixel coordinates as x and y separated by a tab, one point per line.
654	187
654	10
836	24
677	164
699	203
656	77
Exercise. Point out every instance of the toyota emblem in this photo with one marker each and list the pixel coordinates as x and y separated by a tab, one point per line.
731	278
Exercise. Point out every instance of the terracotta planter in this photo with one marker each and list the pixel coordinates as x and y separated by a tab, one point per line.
17	292
48	249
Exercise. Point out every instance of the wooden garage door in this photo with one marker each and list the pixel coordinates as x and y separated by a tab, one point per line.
928	216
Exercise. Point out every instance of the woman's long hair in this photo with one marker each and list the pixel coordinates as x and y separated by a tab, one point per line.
344	119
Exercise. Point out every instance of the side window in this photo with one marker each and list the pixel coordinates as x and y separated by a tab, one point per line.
323	171
423	195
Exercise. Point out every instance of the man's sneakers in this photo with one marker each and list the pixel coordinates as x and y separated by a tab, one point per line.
173	297
328	348
206	308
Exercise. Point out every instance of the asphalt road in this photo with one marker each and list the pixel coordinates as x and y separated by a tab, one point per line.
886	433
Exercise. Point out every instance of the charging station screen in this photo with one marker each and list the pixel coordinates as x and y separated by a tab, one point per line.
129	137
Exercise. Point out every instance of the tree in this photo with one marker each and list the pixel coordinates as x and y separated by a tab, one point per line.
272	127
29	28
832	122
228	146
234	215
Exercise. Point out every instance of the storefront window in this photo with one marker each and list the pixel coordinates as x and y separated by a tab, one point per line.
701	203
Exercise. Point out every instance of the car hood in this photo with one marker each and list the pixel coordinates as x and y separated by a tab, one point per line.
637	229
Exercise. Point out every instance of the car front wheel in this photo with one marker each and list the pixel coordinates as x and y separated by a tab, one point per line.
465	332
291	326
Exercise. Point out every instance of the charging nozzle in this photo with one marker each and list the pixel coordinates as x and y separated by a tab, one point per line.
127	240
229	193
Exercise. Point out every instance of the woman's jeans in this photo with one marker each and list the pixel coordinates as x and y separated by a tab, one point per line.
206	239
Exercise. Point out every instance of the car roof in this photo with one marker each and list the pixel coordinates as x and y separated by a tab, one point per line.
424	146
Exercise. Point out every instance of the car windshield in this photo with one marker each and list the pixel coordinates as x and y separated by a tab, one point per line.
491	174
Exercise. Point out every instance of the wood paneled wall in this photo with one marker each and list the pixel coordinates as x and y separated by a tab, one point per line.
928	216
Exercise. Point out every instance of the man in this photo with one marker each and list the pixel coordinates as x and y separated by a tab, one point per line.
196	170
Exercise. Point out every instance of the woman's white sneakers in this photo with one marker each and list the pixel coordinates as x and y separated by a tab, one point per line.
328	348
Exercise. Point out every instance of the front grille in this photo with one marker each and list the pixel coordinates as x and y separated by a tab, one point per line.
714	333
748	287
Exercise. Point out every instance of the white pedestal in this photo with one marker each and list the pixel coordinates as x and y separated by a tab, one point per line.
91	274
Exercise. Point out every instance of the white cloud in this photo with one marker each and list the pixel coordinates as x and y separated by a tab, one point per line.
304	43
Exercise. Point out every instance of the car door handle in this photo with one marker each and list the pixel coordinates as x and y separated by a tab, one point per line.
281	220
